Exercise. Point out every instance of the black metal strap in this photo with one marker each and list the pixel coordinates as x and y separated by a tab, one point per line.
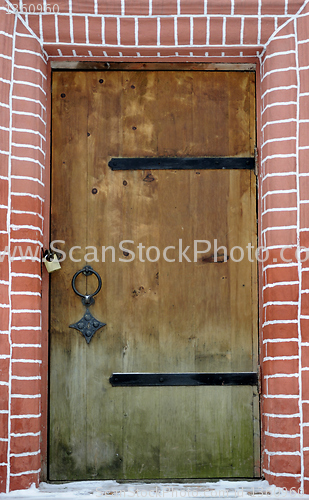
182	379
165	163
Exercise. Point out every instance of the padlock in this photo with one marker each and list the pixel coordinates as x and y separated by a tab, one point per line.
51	261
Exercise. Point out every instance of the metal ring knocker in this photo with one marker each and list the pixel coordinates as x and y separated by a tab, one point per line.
87	271
88	324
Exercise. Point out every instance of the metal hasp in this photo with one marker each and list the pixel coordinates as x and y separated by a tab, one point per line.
182	379
175	163
88	324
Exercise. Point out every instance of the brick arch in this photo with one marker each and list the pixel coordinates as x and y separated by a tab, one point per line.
269	33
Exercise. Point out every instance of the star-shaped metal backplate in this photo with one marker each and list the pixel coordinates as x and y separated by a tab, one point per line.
88	325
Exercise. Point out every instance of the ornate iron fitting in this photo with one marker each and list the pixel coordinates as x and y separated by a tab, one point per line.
88	324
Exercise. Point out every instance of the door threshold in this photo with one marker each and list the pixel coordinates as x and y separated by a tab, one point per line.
86	490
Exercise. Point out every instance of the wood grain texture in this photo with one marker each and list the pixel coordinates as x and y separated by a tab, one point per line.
152	66
161	316
68	375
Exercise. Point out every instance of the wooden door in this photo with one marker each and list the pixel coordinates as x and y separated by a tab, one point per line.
161	317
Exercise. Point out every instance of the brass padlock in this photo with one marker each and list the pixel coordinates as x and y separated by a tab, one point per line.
51	261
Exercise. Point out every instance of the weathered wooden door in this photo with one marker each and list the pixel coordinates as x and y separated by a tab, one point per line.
166	315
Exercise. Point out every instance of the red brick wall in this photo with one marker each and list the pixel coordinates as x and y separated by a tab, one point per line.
148	28
285	209
23	139
268	31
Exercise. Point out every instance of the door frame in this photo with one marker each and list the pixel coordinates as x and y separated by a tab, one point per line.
82	65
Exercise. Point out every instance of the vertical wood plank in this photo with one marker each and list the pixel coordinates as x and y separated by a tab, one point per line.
68	387
104	226
140	288
176	322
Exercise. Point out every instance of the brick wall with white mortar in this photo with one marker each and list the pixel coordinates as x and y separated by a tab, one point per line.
272	32
22	145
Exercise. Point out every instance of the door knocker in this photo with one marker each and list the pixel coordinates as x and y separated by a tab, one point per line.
88	324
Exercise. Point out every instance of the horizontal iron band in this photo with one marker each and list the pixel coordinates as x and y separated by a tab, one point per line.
182	379
164	163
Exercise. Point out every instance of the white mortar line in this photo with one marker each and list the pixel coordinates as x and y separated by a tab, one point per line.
275	122
30	100
158	31
281	358
275	54
191	30
275	247
282	474
181	15
259	21
176	32
274	453
34	276
154	46
280	415
208	30
281	283
23	434
118	31
28	360
56	28
9	262
280	396
275	89
103	30
121	56
26	472
26	240
277	228
26	454
135	32
38	396
87	29
277	70
277	191
281	103
279	303
289	209
22	311
232	7
30	415
224	30
299	268
278	174
290	436
26	51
